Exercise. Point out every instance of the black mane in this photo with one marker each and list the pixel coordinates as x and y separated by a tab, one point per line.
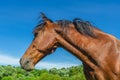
84	27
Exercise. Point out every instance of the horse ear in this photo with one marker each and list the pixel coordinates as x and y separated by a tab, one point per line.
47	20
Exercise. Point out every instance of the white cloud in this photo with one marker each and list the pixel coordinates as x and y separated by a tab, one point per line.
49	65
8	60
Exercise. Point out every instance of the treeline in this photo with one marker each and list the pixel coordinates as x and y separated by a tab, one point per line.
16	73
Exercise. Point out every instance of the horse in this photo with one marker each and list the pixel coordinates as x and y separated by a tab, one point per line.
98	51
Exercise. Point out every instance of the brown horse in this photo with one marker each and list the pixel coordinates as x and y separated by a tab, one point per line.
99	52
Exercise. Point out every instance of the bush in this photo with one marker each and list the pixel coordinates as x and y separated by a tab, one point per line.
16	73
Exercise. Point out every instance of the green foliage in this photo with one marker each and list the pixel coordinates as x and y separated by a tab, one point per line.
47	76
7	78
16	73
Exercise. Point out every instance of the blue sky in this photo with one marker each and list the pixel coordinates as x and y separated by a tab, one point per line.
19	17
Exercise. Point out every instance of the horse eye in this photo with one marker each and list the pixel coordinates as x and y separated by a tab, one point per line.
35	35
33	46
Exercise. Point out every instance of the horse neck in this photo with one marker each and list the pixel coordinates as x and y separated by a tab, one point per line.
75	52
82	46
82	42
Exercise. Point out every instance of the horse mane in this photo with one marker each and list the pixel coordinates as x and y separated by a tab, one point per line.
84	27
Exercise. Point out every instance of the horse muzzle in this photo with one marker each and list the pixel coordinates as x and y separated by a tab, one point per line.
26	64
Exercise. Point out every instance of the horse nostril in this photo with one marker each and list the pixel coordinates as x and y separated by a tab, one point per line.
27	62
24	61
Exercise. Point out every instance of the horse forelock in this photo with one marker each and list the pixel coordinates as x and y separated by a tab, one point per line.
41	24
39	27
